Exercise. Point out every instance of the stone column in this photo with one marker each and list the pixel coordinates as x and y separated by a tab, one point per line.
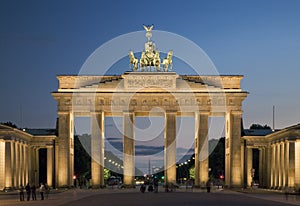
277	165
286	164
273	159
20	170
201	148
297	164
170	147
22	161
17	173
8	166
13	162
249	162
281	165
265	167
36	166
261	166
2	164
233	164
97	149
56	162
128	148
291	167
243	166
27	162
66	149
50	166
268	161
32	165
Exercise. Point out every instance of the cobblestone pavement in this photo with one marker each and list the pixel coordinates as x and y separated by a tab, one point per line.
133	197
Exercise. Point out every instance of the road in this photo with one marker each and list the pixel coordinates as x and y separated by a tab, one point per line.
132	197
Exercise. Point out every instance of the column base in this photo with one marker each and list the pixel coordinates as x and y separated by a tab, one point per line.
199	186
127	186
234	187
98	186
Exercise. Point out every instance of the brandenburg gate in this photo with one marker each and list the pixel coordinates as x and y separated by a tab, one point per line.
150	89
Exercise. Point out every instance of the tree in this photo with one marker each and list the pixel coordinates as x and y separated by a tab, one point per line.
258	126
10	124
217	159
192	172
82	160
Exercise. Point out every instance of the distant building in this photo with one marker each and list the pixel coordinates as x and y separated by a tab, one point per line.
19	155
279	157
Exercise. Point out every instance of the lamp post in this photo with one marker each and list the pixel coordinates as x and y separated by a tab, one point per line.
74	178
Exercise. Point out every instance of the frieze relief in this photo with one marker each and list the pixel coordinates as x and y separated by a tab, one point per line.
150	81
82	100
145	101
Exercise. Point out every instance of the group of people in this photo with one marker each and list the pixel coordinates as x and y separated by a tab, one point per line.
31	191
153	187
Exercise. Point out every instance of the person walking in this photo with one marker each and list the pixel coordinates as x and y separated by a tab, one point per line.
21	192
142	188
27	188
47	191
208	185
42	190
33	192
155	185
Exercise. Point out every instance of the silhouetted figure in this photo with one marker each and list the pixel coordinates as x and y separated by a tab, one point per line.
42	190
166	187
155	183
33	192
27	188
208	185
47	191
21	192
143	188
150	188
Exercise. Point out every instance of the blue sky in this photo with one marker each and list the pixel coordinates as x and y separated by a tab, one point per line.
258	39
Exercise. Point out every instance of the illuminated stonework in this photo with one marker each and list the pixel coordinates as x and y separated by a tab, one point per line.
279	158
138	94
19	157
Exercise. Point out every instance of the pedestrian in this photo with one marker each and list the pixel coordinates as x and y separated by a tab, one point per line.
286	192
150	188
27	188
47	191
155	186
33	192
42	190
143	188
208	185
21	192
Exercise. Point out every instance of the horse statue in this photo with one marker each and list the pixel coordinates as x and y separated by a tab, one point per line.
167	62
133	61
156	61
143	61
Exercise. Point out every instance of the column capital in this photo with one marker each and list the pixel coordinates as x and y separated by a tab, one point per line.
97	112
128	112
170	111
203	112
235	112
64	112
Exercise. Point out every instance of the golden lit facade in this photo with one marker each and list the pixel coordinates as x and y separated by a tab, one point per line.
140	93
19	157
279	158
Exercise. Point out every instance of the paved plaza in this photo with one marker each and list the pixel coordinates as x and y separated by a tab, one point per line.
133	197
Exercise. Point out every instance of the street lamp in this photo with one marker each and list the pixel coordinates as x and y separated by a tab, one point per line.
74	181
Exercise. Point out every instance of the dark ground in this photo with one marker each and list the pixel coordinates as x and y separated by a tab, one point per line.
132	197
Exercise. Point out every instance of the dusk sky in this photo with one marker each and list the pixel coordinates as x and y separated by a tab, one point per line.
41	39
